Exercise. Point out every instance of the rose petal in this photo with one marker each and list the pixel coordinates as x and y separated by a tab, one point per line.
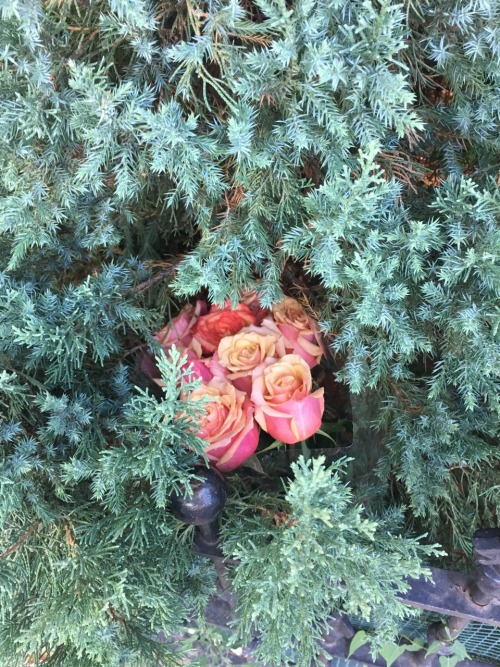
240	451
299	330
216	368
199	370
221	322
228	426
243	383
287	412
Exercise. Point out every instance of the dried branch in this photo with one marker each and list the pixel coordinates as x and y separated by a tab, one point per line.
20	541
142	287
70	538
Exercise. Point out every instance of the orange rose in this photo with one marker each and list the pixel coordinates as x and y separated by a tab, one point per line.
219	322
300	331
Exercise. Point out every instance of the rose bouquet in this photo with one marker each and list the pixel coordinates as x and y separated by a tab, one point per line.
255	364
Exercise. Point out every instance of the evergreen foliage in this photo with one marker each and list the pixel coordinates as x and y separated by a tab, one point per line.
319	553
343	151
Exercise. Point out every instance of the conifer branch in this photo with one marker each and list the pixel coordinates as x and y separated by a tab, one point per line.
276	146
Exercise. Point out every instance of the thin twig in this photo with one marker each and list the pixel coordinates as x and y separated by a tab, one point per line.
21	541
142	287
135	349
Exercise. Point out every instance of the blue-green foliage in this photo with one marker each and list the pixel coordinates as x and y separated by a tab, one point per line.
319	554
248	144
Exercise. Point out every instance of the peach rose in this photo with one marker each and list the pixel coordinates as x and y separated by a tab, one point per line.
220	322
300	331
244	351
228	425
284	404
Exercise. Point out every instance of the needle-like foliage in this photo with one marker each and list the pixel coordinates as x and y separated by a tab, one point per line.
343	152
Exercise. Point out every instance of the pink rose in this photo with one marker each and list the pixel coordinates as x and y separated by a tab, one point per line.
198	368
228	425
251	299
178	331
219	322
300	331
284	404
216	368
